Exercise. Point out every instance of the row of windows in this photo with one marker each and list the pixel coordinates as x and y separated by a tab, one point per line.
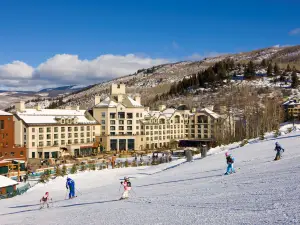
62	142
121	115
62	129
70	135
11	153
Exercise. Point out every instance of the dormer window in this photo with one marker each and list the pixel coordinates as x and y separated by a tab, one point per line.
62	121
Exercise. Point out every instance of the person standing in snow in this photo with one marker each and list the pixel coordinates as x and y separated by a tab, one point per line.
127	187
230	161
71	186
45	200
278	150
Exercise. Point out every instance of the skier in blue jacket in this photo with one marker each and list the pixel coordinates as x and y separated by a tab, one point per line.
278	150
230	161
71	186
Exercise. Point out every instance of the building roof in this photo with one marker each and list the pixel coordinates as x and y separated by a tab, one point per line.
213	114
50	116
111	102
3	113
5	182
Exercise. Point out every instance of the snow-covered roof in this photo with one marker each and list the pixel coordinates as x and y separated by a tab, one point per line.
213	114
111	102
5	182
49	116
3	113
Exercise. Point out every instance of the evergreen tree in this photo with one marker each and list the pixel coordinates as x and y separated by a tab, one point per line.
64	170
263	63
270	70
288	68
276	69
295	80
73	169
249	71
58	172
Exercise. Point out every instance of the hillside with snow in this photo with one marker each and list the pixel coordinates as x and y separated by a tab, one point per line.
262	191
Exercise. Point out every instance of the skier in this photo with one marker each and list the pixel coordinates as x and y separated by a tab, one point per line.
45	200
230	161
279	151
71	186
127	188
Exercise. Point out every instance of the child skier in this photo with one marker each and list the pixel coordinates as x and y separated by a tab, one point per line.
127	188
71	186
45	200
230	161
279	151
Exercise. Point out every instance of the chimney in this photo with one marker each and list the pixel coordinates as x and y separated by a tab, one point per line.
20	106
161	107
38	107
137	98
77	107
97	100
120	98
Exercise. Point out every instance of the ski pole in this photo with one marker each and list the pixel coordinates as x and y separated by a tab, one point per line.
78	191
66	194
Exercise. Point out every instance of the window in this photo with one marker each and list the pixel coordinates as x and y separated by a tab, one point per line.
112	122
33	144
121	122
48	143
129	127
103	114
112	115
88	134
33	129
41	137
88	140
113	128
81	134
55	136
81	128
76	141
41	144
48	129
63	129
62	142
41	130
75	128
102	121
62	135
137	114
129	122
121	115
76	135
2	124
33	155
55	143
82	140
69	135
121	127
129	116
112	133
33	137
55	129
94	128
21	153
48	136
137	127
103	127
69	142
88	128
69	129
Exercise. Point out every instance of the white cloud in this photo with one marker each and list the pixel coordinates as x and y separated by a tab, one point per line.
194	57
296	31
70	69
175	45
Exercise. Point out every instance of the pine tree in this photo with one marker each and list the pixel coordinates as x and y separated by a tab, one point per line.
295	80
270	70
276	69
263	63
64	170
288	68
249	71
73	169
58	172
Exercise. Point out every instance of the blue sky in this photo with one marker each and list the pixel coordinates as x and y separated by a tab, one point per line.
35	31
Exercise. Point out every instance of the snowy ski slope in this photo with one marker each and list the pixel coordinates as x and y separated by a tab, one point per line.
261	192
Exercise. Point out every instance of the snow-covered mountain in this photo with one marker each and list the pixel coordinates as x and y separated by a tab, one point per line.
262	191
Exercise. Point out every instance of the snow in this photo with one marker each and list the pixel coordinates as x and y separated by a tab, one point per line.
5	182
134	103
3	113
48	116
261	192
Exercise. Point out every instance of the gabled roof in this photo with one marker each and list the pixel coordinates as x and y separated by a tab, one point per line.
5	182
111	102
213	114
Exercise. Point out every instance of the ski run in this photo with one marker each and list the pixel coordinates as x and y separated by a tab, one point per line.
261	191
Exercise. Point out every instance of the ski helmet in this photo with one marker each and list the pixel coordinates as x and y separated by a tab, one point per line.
226	154
47	193
126	178
276	143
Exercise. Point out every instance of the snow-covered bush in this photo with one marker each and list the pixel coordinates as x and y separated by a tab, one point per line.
64	170
73	169
277	133
244	142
